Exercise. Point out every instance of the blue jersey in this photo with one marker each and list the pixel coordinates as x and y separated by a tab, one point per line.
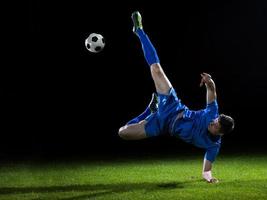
192	127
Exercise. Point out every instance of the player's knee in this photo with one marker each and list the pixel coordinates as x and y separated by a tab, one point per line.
157	72
123	132
156	68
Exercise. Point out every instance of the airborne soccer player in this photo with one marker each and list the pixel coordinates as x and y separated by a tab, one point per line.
167	114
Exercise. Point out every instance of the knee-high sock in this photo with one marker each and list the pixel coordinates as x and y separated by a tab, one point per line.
140	117
149	50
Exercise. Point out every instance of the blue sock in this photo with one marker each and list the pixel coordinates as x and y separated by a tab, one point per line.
149	50
140	117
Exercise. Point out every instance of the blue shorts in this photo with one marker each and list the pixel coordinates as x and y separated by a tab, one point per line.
158	123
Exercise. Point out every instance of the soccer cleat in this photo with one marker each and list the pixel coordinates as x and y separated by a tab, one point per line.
153	105
137	21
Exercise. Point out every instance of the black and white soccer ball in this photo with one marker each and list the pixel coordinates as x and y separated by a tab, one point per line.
95	42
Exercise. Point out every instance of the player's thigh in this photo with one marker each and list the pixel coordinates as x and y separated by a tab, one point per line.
133	131
161	81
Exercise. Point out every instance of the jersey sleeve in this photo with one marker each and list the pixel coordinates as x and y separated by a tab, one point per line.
211	111
212	107
211	153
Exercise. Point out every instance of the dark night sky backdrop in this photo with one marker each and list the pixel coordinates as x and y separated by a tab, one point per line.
58	97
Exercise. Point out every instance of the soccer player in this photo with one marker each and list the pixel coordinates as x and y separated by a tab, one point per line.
167	114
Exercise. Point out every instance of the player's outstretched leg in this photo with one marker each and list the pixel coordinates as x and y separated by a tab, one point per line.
161	81
135	129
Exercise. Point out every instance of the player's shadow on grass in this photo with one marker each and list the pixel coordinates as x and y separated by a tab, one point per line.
94	190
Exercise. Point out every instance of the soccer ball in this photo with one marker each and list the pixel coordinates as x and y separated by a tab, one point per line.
95	42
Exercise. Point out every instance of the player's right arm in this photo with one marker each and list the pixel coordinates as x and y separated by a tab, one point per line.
206	173
209	158
210	87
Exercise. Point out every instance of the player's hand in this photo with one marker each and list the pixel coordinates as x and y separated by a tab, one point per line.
213	180
208	177
205	78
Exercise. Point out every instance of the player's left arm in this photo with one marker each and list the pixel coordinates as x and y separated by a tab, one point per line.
210	87
206	173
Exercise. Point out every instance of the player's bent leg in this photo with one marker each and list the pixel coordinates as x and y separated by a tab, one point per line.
133	131
162	83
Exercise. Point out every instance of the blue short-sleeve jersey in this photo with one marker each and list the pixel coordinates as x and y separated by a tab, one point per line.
193	128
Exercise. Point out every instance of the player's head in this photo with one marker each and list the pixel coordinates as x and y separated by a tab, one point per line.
222	125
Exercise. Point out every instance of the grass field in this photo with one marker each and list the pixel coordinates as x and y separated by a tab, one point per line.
149	177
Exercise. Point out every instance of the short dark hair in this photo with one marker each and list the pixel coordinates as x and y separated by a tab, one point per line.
227	123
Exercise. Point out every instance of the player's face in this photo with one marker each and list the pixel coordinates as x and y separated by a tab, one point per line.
214	127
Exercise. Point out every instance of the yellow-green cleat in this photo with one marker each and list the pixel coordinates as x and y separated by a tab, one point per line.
137	21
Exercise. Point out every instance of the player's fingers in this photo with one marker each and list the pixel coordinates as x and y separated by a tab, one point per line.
214	180
206	74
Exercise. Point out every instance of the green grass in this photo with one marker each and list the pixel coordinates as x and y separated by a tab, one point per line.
241	177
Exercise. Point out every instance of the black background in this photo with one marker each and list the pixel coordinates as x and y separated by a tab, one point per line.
58	98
